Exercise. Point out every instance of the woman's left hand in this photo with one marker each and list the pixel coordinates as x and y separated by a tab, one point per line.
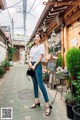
33	67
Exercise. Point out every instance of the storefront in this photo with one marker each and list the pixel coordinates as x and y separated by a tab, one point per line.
63	18
70	36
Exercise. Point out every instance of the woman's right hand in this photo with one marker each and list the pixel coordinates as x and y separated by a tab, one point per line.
30	65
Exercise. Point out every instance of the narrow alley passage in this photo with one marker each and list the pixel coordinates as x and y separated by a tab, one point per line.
44	33
17	92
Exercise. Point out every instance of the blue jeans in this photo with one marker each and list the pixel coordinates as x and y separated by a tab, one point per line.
37	80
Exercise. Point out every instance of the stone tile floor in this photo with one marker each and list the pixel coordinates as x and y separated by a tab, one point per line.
17	92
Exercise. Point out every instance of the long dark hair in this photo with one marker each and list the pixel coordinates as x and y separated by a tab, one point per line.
39	35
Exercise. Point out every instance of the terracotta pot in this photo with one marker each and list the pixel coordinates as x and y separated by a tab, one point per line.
6	68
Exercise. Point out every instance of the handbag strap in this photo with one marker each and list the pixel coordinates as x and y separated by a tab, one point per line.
28	77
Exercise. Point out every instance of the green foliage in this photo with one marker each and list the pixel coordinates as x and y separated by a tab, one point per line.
45	77
11	51
73	61
73	65
70	99
50	50
5	63
59	61
76	84
2	71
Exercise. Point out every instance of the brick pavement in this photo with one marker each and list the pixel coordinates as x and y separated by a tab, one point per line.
17	92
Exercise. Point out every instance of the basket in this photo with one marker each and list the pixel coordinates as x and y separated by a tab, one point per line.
61	76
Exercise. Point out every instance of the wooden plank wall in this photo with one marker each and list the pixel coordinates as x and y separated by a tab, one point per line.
74	34
70	38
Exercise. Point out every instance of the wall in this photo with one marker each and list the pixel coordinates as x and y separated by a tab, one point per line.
17	55
74	35
3	51
70	37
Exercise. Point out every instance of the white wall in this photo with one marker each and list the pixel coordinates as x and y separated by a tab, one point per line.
3	51
22	57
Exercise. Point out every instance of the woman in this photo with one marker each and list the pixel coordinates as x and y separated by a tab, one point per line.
37	54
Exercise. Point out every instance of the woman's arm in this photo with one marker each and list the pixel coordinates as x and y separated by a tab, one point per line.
29	60
39	60
29	63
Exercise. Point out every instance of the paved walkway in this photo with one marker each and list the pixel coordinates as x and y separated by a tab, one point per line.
16	92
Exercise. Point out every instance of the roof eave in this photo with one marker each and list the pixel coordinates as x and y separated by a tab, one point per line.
2	4
45	11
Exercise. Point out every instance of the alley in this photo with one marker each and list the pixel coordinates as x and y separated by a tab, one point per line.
16	92
39	32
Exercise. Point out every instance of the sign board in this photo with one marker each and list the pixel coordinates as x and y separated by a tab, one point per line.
51	65
74	42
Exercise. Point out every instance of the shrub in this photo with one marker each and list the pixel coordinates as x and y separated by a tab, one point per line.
76	84
5	63
73	61
2	71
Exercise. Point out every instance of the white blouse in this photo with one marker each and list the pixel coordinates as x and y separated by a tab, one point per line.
36	52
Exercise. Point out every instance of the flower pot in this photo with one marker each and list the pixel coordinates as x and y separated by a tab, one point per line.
6	68
76	112
69	110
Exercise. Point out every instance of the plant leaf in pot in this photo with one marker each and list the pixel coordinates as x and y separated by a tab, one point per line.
70	101
76	108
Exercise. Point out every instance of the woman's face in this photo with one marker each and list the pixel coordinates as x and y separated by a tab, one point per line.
37	39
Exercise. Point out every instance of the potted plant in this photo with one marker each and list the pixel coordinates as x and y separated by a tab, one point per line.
73	61
6	65
70	102
73	64
11	51
76	108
